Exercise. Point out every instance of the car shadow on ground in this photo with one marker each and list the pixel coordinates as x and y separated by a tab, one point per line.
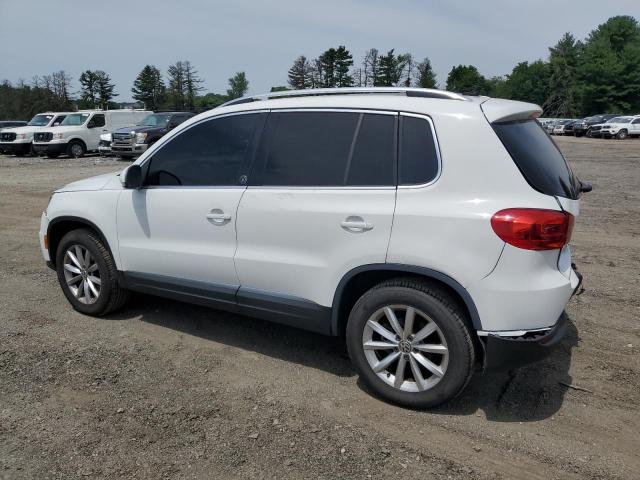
531	393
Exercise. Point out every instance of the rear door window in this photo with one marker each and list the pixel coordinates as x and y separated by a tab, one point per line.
537	157
320	149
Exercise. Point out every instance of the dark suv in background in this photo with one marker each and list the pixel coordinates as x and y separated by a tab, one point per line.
130	142
583	126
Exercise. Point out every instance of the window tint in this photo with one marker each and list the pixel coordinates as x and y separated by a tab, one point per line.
636	121
537	157
418	156
373	160
319	149
212	153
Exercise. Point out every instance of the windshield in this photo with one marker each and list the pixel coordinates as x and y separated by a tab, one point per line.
620	120
155	120
40	120
75	119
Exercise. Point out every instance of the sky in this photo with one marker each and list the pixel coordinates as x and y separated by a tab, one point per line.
263	38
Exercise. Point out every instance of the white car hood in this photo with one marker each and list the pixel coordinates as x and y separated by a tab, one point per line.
26	129
106	181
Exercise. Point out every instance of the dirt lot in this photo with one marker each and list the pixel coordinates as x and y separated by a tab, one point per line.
163	389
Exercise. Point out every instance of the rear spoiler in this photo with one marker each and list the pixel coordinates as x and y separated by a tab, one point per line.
499	110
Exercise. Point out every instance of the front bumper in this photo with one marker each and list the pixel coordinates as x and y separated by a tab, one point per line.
49	148
128	148
15	147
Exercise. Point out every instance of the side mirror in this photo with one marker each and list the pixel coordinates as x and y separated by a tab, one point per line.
132	177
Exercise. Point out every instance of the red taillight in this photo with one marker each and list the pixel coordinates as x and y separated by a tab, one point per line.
532	228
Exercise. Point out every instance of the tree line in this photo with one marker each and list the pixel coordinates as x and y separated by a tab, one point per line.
600	74
181	90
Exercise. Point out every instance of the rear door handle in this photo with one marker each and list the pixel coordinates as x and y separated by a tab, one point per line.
356	225
218	217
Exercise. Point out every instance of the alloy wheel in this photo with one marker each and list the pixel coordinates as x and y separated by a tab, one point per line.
82	274
405	348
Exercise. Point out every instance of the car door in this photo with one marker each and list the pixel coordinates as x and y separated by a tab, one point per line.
320	202
96	126
635	127
178	231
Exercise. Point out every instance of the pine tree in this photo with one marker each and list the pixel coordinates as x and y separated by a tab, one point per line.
300	75
149	88
238	86
370	66
343	62
88	89
389	69
192	84
104	88
563	98
426	75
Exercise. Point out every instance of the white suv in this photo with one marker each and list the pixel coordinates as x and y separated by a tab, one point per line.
356	212
621	127
18	140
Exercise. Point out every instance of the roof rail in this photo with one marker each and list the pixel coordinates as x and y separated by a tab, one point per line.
409	92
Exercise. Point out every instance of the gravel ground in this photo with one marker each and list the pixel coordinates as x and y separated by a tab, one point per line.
168	390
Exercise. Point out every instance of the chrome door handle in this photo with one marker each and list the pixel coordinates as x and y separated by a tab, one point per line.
218	217
356	225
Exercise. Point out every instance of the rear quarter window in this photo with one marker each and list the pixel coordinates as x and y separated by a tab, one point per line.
537	157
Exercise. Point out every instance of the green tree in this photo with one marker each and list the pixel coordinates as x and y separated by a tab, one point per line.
332	68
426	75
343	62
563	99
466	79
609	68
390	68
238	86
149	88
177	85
300	74
528	82
105	89
88	89
192	84
279	88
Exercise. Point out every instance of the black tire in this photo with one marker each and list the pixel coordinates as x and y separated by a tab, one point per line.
76	149
112	296
622	135
53	155
443	311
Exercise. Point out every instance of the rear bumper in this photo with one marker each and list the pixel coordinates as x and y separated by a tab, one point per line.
13	148
51	148
506	352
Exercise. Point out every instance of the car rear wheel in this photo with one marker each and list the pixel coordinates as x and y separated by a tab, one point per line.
76	149
410	344
87	274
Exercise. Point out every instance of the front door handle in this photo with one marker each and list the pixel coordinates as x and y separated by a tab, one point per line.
356	225
218	217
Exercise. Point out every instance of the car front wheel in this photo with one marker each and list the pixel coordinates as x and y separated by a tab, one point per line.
410	344
622	135
87	274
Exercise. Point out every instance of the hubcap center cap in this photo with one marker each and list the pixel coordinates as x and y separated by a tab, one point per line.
405	346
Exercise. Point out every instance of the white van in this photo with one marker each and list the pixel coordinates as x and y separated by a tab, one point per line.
18	140
80	132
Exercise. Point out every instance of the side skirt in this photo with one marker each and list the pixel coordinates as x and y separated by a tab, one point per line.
278	308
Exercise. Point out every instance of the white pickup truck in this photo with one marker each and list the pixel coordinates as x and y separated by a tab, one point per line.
80	132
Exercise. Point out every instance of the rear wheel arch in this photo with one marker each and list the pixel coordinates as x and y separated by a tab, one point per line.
361	279
60	226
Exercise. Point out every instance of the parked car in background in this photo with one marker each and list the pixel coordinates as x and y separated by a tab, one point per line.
559	126
18	140
621	127
583	127
130	142
104	145
12	123
80	132
284	210
569	128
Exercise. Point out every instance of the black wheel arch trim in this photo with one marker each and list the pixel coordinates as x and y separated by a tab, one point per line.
69	218
423	271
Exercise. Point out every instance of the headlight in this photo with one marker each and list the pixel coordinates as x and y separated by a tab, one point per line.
141	137
58	135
